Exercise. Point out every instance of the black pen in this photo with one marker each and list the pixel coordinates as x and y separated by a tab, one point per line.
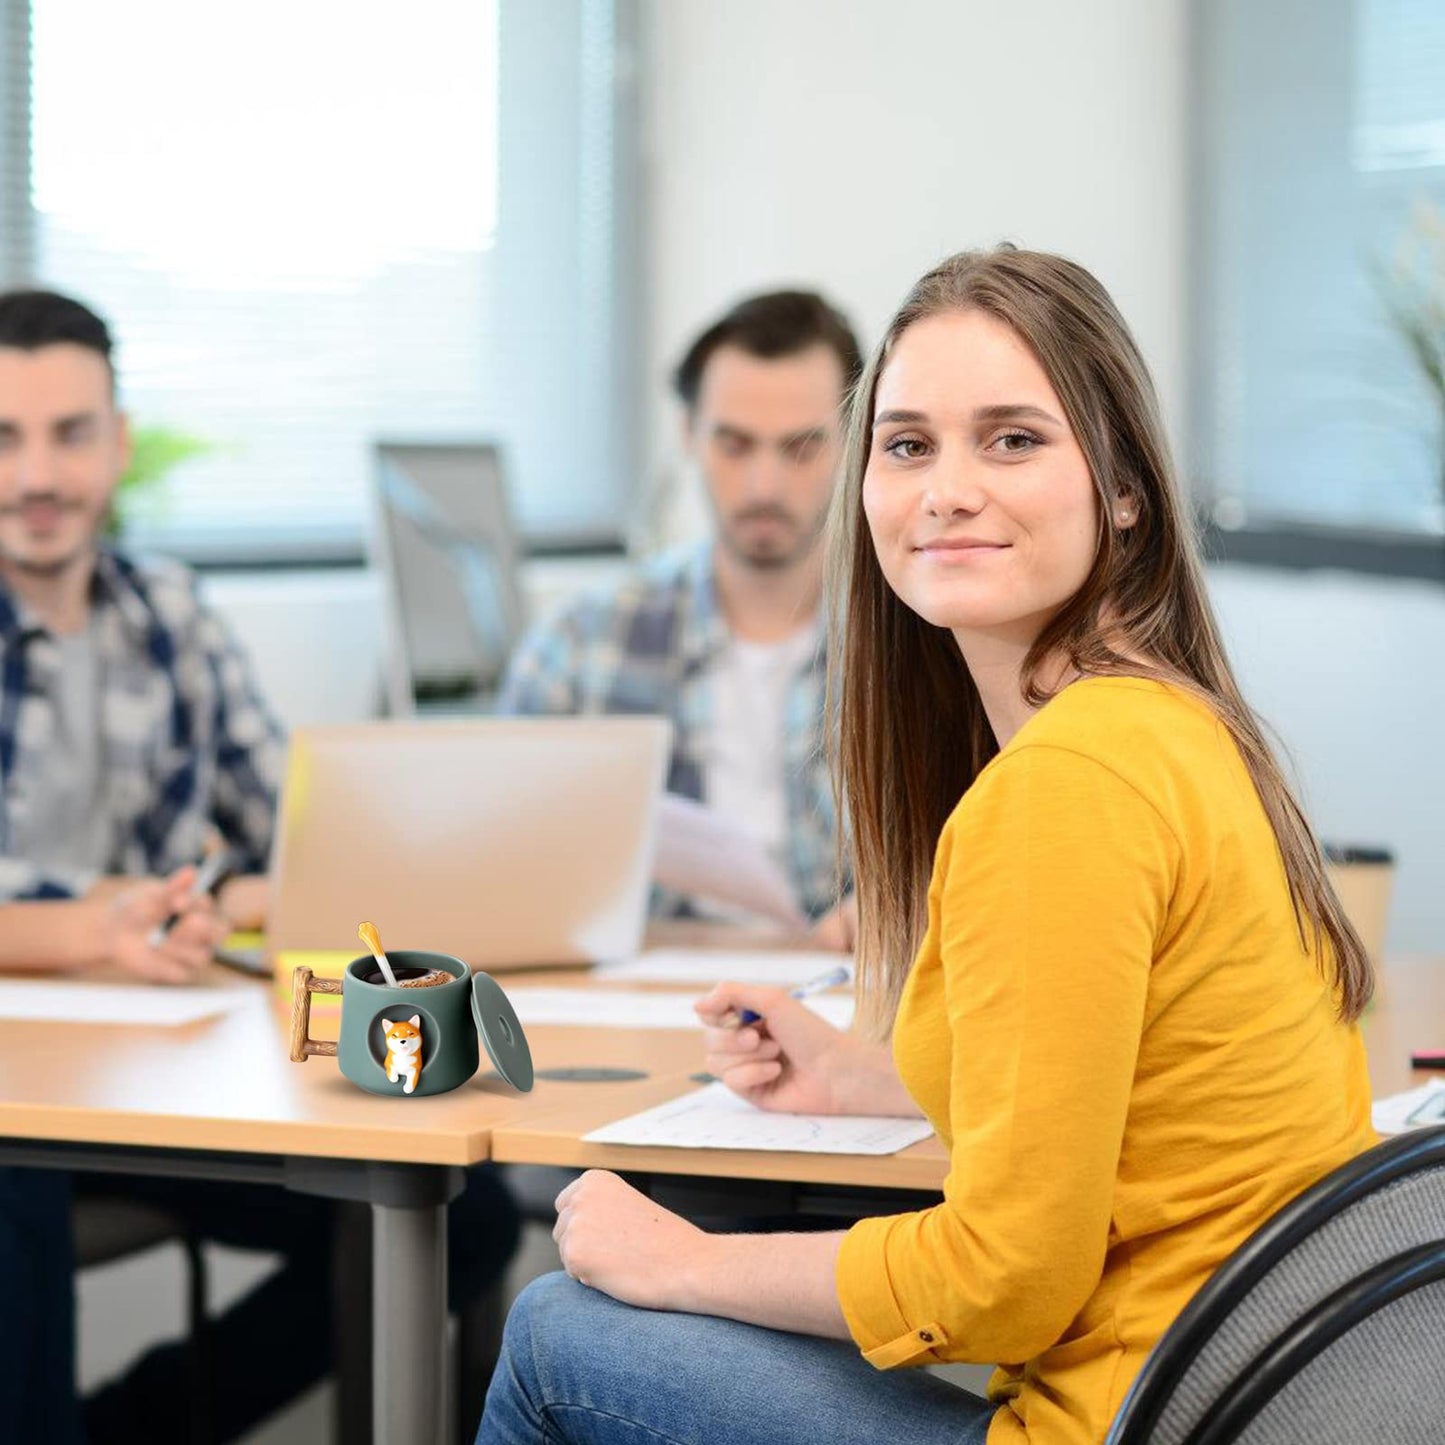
213	872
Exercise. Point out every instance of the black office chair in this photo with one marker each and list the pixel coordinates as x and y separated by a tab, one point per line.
1327	1327
107	1228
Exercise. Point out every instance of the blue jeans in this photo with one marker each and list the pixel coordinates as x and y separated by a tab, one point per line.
579	1367
37	1399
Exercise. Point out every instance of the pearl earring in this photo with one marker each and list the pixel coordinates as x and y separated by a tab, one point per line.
1123	517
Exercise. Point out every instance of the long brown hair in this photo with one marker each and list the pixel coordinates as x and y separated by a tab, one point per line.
910	727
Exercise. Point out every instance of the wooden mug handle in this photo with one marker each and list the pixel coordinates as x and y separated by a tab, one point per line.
303	984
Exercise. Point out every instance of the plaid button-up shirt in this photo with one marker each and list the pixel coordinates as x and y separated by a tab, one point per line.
187	745
649	646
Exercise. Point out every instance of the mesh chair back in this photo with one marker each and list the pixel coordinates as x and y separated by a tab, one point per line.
1386	1203
1367	1364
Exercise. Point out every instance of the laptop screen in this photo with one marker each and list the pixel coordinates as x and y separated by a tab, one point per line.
508	842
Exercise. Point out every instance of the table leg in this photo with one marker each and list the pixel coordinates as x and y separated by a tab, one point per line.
409	1270
351	1306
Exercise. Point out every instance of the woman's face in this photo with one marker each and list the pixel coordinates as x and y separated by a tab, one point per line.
978	497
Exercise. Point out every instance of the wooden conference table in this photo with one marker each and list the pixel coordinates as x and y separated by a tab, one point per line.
219	1099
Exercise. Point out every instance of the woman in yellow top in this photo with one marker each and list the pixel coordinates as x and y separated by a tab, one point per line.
1092	918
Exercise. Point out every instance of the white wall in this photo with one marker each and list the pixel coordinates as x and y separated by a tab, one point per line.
314	639
1348	670
850	144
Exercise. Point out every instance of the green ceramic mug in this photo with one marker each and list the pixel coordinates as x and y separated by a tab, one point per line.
413	1041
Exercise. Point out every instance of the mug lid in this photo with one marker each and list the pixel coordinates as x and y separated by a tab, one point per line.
501	1032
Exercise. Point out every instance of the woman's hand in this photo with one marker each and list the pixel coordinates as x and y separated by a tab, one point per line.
131	917
619	1241
794	1062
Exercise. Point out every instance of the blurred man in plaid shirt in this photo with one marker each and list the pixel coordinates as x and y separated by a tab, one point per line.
131	731
132	737
726	639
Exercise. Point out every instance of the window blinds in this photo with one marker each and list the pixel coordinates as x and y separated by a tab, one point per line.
314	224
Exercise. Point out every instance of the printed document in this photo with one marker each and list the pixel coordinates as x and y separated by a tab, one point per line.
626	1008
715	1118
1414	1109
703	854
42	1001
707	966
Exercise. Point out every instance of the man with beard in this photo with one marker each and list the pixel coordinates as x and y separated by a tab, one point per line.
131	733
131	736
726	639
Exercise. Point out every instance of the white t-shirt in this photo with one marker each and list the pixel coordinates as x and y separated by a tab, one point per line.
743	754
68	825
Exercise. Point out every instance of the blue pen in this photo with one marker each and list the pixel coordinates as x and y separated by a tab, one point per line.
831	978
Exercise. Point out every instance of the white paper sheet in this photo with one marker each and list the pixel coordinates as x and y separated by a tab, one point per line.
1393	1114
628	1008
707	966
702	854
715	1118
46	1001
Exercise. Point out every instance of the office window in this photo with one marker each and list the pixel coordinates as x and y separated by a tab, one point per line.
317	223
1320	212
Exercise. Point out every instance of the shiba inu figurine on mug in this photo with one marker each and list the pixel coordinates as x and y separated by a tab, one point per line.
418	1035
403	1052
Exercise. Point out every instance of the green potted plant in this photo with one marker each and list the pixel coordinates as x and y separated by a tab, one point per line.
156	451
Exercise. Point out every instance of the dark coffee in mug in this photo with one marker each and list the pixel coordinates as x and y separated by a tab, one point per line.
405	973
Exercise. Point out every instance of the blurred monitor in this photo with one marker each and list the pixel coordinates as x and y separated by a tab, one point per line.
445	546
506	842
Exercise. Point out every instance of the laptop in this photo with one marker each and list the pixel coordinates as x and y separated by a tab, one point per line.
508	842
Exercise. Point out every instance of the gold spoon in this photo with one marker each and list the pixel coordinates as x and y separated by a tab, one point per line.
372	939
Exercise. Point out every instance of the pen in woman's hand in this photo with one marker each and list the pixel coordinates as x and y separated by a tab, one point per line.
829	978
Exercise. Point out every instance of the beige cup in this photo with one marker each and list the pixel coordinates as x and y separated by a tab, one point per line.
1363	879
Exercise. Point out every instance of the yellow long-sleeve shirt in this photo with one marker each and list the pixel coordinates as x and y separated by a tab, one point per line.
1116	1032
